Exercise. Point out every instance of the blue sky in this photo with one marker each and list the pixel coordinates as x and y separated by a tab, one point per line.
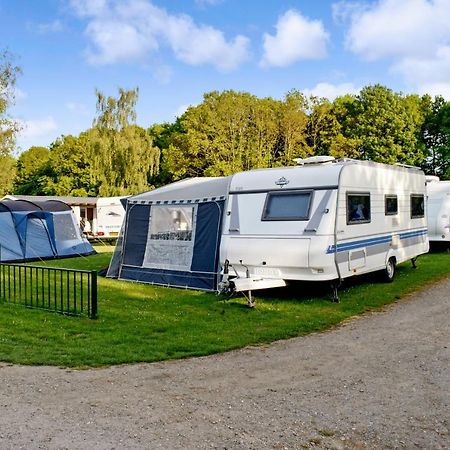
176	50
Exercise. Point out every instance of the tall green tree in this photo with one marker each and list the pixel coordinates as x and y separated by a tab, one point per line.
32	168
228	132
233	131
327	126
292	141
346	144
386	125
116	113
69	171
122	155
436	137
8	127
162	136
7	174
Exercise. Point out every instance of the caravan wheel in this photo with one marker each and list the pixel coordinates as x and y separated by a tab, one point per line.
389	272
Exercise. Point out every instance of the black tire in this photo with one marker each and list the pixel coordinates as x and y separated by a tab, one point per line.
388	274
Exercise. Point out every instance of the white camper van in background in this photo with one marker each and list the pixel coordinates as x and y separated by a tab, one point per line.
110	214
438	193
324	220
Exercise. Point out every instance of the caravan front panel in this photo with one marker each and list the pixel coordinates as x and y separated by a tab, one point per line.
278	227
439	210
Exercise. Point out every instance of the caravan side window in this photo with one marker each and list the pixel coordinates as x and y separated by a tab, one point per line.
417	206
358	207
287	205
390	205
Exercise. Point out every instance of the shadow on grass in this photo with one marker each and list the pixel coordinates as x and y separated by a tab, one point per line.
439	247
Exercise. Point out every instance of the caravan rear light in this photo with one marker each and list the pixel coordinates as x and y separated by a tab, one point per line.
100	233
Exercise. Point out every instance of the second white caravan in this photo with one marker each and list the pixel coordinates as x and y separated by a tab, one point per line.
324	220
438	193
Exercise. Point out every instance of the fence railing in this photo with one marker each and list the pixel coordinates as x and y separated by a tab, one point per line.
65	291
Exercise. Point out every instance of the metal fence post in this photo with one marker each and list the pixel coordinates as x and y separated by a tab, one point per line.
93	311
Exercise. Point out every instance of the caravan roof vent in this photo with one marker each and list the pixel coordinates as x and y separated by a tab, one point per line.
431	178
314	160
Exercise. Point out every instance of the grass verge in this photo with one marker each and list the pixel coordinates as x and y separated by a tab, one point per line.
143	323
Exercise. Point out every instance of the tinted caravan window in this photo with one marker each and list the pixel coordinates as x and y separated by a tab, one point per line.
287	205
358	208
390	205
417	206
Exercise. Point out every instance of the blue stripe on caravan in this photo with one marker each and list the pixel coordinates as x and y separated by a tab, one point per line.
413	233
373	241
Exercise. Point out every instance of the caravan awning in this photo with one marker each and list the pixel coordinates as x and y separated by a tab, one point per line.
192	190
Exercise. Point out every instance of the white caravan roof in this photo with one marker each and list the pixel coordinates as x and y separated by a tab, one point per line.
295	177
438	187
191	189
303	176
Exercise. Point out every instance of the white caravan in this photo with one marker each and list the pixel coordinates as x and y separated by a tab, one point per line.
438	213
110	214
324	220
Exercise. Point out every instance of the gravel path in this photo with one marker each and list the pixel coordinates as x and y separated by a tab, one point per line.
380	381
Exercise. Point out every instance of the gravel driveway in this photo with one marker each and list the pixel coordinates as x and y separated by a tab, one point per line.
378	381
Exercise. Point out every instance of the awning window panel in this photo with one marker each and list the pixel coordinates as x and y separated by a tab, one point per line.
170	241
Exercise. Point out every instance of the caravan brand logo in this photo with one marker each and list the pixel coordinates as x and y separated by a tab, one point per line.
282	182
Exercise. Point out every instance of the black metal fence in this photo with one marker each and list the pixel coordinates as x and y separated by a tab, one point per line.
65	291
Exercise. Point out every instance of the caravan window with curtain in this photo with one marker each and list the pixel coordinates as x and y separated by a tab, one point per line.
170	242
417	206
390	205
358	208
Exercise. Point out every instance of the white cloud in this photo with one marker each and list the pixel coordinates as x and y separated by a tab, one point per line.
20	95
429	75
132	30
196	45
344	10
435	67
37	128
181	110
331	91
79	109
86	8
115	41
396	28
414	35
296	38
208	2
55	26
51	27
435	89
163	74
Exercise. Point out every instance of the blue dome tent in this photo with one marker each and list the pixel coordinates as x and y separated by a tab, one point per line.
39	230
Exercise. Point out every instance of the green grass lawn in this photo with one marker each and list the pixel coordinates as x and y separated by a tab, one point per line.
140	322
